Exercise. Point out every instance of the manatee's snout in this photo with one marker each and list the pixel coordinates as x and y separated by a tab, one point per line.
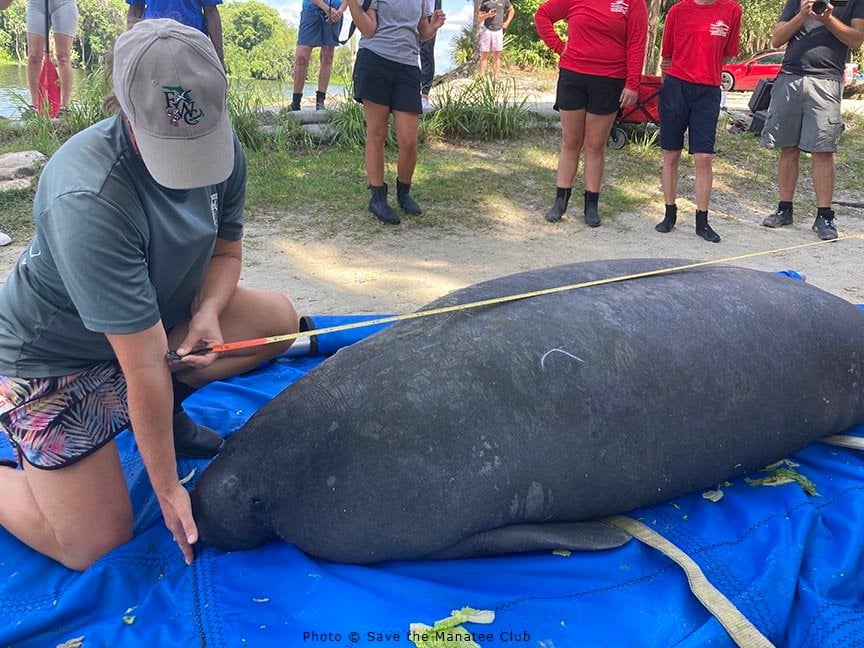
230	514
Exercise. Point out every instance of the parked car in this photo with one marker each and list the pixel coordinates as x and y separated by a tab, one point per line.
745	75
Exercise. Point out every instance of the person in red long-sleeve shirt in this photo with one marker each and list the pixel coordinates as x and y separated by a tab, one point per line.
599	71
699	36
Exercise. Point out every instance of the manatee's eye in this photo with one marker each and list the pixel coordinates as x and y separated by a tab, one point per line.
257	504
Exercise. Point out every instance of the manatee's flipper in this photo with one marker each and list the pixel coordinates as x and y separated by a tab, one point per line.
524	538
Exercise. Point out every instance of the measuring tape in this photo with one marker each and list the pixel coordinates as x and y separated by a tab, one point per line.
245	344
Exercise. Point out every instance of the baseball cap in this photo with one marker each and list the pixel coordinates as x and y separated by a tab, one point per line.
172	88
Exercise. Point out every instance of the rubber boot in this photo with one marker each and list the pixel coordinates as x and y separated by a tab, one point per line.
562	198
406	202
296	98
378	205
592	215
193	440
319	99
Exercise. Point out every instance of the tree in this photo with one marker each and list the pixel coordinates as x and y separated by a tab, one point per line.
259	44
100	22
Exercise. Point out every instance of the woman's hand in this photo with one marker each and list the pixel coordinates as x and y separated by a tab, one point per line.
628	97
204	331
177	512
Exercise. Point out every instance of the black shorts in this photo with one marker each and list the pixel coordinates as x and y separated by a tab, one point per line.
387	82
597	95
690	107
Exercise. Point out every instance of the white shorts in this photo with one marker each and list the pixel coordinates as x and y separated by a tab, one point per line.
491	41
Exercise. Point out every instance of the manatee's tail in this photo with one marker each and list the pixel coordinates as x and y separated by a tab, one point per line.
524	538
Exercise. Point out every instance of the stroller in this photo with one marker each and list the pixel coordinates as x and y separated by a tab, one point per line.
646	110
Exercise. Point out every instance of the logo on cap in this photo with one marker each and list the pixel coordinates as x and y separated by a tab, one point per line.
179	105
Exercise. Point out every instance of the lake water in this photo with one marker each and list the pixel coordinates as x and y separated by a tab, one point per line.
15	97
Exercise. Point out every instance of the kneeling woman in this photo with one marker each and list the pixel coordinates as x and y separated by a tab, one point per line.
387	79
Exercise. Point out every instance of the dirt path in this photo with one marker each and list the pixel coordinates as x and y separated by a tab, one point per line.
406	267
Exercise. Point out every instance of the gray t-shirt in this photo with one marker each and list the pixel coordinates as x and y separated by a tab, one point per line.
501	7
397	37
114	252
814	50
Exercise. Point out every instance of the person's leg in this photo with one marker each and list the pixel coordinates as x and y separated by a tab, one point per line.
484	62
572	138
407	125
671	162
597	129
783	130
250	314
787	172
787	179
327	55
704	179
74	514
301	65
823	174
35	54
496	64
377	118
702	128
674	116
63	52
669	181
377	126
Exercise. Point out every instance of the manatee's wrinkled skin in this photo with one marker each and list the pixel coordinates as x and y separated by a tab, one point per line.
567	407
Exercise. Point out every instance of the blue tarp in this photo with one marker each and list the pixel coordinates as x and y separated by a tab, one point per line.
791	563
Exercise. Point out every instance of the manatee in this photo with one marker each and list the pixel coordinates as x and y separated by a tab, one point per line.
520	426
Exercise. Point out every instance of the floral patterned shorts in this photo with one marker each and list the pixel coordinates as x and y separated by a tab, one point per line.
54	422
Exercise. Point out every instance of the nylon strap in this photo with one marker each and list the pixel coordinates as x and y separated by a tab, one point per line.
742	631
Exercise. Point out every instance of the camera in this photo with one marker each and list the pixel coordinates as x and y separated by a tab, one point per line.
819	6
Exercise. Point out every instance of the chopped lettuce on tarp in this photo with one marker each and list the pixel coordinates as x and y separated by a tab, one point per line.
783	472
449	633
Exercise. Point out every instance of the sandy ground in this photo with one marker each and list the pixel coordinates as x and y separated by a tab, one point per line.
401	268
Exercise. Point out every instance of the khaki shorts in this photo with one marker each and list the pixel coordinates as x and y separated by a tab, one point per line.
804	113
54	422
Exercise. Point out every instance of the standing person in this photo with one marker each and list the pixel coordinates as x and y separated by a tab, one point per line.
496	16
699	37
804	114
387	79
427	66
63	18
203	15
600	70
139	220
320	25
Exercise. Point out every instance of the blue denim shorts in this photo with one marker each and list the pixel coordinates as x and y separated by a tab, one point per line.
316	31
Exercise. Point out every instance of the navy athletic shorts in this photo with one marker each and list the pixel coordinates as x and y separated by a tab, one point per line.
689	107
